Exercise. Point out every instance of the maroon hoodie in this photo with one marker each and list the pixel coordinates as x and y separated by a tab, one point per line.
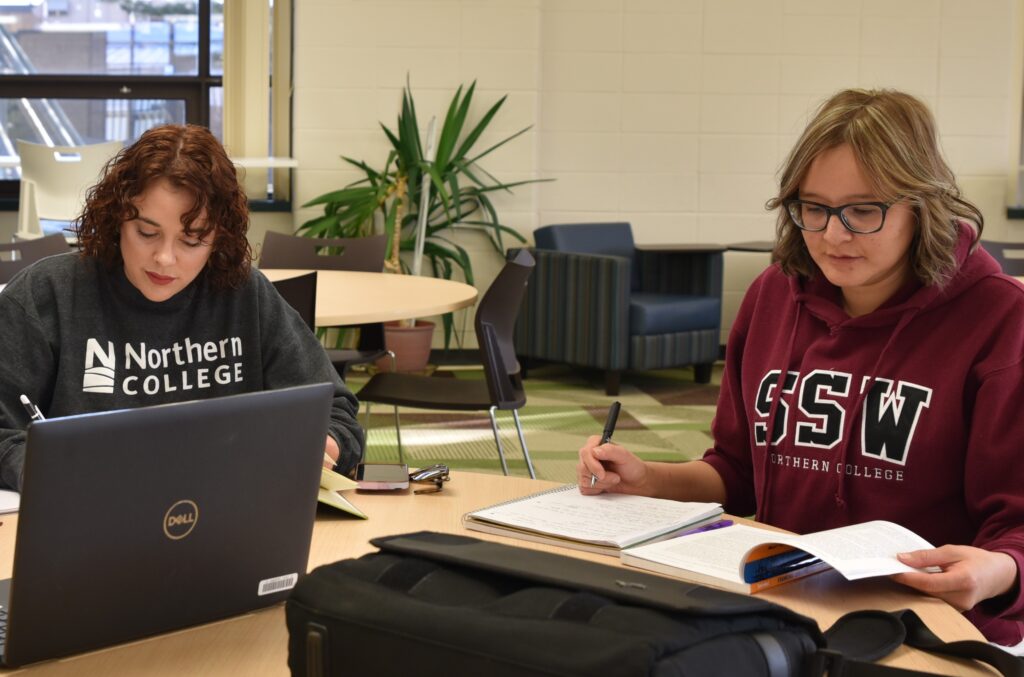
913	413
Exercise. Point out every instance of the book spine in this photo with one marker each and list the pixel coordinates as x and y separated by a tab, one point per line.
788	576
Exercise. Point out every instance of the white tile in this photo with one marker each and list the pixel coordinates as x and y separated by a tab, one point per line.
974	116
590	191
337	109
795	111
736	227
742	7
678	73
582	31
582	5
490	26
899	36
826	7
664	228
740	154
658	192
426	67
963	36
739	113
993	9
321	149
572	151
925	9
519	109
661	32
820	75
415	24
989	194
740	74
961	76
742	33
580	112
341	67
674	153
549	217
736	193
978	155
581	71
659	112
809	34
351	25
518	155
504	69
914	75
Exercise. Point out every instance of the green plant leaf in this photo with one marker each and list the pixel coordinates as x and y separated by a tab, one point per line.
471	138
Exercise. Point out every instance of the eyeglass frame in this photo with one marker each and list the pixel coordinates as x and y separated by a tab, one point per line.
436	474
838	212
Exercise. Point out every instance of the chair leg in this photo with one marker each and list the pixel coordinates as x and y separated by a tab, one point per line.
612	381
497	440
702	373
522	443
398	427
366	426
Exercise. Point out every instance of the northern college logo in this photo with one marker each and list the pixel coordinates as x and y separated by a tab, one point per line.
147	370
98	378
180	519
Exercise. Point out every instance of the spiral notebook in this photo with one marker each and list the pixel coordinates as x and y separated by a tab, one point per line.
606	523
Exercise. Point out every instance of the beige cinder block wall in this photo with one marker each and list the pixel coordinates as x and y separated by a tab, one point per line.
671	114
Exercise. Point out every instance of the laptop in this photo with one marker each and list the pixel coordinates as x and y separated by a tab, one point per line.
140	521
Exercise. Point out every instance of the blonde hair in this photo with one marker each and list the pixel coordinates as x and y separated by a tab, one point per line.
893	137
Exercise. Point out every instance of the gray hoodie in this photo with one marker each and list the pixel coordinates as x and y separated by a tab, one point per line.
76	338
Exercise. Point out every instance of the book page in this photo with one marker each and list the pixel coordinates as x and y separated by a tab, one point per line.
862	550
719	553
613	519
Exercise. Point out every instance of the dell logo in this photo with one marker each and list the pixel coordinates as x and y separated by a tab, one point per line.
180	519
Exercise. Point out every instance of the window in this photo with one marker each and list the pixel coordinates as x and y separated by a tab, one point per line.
87	71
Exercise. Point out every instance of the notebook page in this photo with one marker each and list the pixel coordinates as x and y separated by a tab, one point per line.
612	519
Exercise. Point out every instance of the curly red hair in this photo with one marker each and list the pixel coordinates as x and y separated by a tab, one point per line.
191	159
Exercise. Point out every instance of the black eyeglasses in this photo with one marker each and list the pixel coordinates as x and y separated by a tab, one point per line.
862	218
435	474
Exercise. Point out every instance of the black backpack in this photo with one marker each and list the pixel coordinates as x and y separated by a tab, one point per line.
440	604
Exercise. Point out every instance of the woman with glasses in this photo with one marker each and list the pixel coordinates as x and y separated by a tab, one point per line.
875	370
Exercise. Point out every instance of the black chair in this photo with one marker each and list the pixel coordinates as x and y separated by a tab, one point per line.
365	255
503	385
300	293
24	253
1010	255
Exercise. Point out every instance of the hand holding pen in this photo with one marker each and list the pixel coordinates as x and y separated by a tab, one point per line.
609	430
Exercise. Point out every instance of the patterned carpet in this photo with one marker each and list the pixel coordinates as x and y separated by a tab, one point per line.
665	416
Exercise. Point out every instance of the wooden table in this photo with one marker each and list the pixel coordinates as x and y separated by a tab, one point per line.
257	643
344	297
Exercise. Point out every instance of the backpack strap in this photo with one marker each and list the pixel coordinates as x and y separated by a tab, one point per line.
860	637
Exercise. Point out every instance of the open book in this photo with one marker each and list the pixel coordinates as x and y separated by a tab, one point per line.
748	559
331	483
605	523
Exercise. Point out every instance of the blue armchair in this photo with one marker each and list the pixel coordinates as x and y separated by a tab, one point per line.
595	300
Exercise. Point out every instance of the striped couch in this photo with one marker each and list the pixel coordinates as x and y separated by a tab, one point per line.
595	300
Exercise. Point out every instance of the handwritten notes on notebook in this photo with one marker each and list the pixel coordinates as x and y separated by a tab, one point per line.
604	523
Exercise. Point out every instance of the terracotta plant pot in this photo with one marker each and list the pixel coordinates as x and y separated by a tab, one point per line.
411	346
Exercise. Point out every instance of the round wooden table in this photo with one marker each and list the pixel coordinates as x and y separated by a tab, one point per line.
344	297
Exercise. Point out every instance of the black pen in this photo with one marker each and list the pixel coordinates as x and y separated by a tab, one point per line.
33	410
609	428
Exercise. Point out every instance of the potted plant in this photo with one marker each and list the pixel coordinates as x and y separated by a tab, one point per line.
436	191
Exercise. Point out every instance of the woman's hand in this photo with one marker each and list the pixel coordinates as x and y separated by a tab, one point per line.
969	575
331	453
617	469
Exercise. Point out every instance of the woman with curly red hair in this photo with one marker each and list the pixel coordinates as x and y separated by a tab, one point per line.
161	304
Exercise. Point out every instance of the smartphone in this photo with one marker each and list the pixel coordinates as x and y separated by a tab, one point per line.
382	476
